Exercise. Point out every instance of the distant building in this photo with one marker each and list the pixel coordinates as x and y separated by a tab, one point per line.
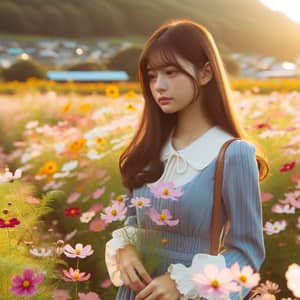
88	76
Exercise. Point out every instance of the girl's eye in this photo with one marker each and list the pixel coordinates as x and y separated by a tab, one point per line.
150	76
170	72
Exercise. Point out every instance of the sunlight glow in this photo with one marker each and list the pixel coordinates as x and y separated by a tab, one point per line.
290	8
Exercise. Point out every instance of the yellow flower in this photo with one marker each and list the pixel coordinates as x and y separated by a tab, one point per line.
85	107
49	167
130	107
130	94
77	145
120	198
99	140
66	107
112	91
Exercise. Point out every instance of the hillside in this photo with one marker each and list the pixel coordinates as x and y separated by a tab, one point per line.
244	26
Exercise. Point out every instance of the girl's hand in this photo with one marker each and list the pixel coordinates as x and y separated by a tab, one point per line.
131	268
160	288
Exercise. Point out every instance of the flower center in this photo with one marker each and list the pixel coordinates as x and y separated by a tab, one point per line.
140	203
78	251
76	276
166	191
243	278
275	228
26	283
6	222
162	216
215	283
114	212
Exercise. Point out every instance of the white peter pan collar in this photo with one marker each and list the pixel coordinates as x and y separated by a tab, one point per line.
200	152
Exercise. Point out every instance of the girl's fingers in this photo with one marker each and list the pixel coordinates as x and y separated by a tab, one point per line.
134	280
152	297
145	293
143	273
125	279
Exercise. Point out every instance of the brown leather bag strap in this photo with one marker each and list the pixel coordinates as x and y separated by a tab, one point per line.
215	228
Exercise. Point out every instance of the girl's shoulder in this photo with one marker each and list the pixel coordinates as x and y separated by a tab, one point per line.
240	149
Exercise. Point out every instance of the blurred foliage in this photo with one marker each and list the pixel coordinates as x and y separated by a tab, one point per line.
86	66
126	60
22	70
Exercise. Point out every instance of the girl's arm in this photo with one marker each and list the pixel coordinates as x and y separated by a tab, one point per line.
120	238
244	241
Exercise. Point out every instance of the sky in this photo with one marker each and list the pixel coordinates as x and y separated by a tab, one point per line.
291	8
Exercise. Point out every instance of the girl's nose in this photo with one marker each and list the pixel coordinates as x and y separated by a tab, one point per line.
160	84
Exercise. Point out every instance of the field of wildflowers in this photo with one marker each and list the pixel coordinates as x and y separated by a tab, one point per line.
63	197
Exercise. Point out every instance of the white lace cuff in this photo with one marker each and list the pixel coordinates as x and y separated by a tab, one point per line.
120	237
183	275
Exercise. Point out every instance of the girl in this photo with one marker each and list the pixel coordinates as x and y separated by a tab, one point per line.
188	115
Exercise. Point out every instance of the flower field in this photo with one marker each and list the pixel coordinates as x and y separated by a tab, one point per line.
61	195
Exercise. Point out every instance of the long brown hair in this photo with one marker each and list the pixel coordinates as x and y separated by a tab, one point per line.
140	162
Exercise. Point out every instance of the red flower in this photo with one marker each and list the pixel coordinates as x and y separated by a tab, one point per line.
4	223
288	166
262	125
73	211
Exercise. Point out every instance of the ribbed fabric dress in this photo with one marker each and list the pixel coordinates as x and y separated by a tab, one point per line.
241	205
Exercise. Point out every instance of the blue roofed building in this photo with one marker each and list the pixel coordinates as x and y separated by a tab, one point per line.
88	76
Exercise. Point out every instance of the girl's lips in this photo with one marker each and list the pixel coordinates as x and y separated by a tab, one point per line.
164	100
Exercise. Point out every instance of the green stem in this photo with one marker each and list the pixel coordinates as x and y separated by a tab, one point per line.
9	242
76	290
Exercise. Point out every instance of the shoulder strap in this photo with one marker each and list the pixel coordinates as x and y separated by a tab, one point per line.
215	228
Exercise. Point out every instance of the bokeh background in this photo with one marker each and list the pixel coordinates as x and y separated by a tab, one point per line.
70	102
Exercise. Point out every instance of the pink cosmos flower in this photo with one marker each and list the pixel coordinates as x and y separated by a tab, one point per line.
268	287
163	218
97	225
140	202
283	209
276	227
214	282
88	296
61	295
75	275
245	276
106	283
298	224
25	286
96	207
99	192
115	212
78	251
73	197
165	190
266	196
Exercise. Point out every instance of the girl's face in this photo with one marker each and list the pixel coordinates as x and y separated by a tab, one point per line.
172	89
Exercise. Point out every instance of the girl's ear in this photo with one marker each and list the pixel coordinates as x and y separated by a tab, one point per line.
205	74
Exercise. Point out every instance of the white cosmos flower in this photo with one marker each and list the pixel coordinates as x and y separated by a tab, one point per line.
59	147
31	124
87	216
69	166
41	252
293	279
276	227
9	176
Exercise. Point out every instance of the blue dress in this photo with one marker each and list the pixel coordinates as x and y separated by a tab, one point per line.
241	205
